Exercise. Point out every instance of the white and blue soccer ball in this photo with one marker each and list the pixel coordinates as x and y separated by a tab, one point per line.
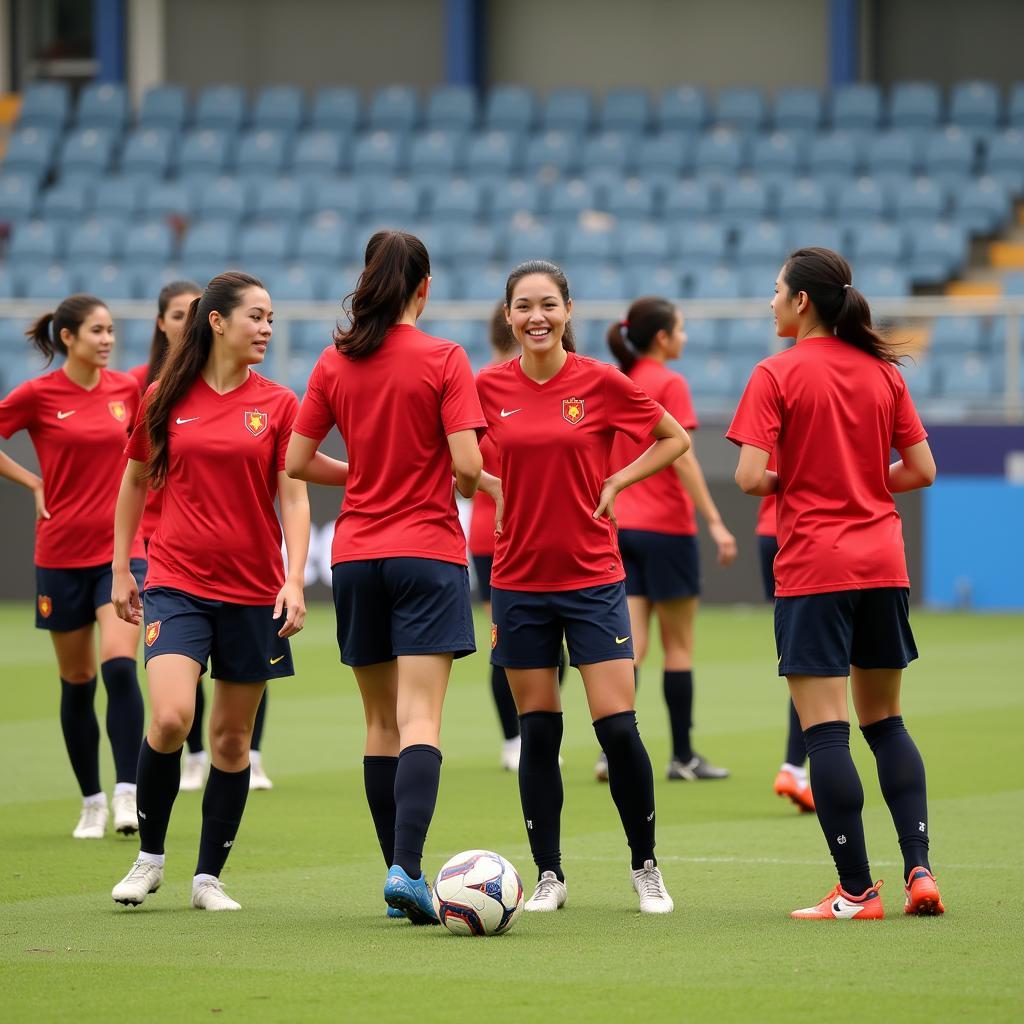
478	893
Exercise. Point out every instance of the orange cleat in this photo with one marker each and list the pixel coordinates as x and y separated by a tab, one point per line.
798	790
840	905
922	894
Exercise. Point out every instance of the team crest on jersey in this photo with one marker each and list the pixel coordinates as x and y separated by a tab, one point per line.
152	632
45	605
494	635
572	410
118	410
256	422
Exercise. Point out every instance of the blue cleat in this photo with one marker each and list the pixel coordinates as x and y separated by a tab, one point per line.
412	896
395	912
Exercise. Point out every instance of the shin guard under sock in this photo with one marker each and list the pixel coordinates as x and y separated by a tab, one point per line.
158	778
125	715
796	751
417	778
379	783
540	787
505	703
678	687
194	740
223	805
81	733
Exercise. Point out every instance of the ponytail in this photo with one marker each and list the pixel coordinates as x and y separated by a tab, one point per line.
185	362
158	346
44	334
633	337
395	265
557	277
618	342
828	281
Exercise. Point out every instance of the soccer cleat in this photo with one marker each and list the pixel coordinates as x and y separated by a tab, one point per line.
922	894
650	887
694	770
510	751
796	788
411	895
144	878
258	778
601	768
550	894
126	815
209	894
92	822
395	913
194	773
841	906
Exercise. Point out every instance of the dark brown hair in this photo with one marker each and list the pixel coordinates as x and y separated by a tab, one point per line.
503	341
158	346
396	264
186	360
557	276
631	338
828	281
70	314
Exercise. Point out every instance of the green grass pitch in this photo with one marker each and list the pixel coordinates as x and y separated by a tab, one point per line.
312	942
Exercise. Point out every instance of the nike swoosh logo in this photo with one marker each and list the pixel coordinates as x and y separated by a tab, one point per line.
622	641
511	412
846	909
65	415
179	420
274	661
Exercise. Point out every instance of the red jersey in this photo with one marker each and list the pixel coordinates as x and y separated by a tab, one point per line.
660	503
395	410
155	495
481	524
219	536
766	509
79	438
831	413
554	440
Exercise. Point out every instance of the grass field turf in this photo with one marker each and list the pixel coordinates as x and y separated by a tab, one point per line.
312	942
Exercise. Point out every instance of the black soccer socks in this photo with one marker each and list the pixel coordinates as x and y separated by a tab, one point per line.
631	781
505	703
902	780
379	782
194	740
261	720
125	715
81	733
839	801
678	687
796	750
540	787
158	779
223	805
416	780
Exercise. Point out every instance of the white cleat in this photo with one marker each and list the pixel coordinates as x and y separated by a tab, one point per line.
650	887
258	778
126	814
193	775
601	768
550	894
144	878
210	895
510	751
92	823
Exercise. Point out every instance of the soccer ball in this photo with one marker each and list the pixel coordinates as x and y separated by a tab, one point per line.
478	893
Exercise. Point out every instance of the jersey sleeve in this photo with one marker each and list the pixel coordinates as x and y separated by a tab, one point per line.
630	410
17	409
315	417
460	403
678	402
758	417
138	441
907	427
289	410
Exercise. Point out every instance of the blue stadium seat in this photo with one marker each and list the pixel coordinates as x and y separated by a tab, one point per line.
436	155
700	244
341	196
702	338
378	154
833	156
66	202
644	245
881	282
600	284
30	151
209	243
949	156
103	105
568	199
108	281
1013	284
957	334
261	154
966	376
609	153
743	201
18	196
919	373
568	110
740	108
34	242
914	106
665	157
719	154
665	280
220	108
324	243
713	377
116	198
975	106
757	281
150	279
825	234
876	243
626	110
452	108
319	153
338	283
472	244
283	200
310	335
295	284
1004	159
891	154
862	201
776	159
442	285
803	200
716	283
280	108
168	198
336	109
682	108
204	152
458	201
147	153
481	284
798	110
86	154
856	108
148	245
94	241
395	108
393	200
515	198
224	199
164	107
45	105
751	338
493	155
588	245
531	242
761	244
937	252
630	200
1015	106
42	282
510	108
552	154
983	206
920	201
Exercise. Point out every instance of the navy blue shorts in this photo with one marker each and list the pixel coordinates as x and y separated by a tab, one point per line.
527	626
67	599
660	566
388	607
824	634
483	565
239	640
767	549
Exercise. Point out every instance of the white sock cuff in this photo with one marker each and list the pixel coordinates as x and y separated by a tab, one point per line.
152	858
198	880
95	798
125	787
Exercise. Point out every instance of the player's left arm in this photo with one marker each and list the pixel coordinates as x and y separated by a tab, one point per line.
752	473
294	502
691	475
304	461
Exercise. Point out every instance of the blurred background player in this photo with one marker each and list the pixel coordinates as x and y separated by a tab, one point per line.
552	417
78	418
407	409
831	409
658	525
213	435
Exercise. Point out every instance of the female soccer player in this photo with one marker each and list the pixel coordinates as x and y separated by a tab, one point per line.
831	408
406	406
78	418
213	434
552	416
172	308
658	525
